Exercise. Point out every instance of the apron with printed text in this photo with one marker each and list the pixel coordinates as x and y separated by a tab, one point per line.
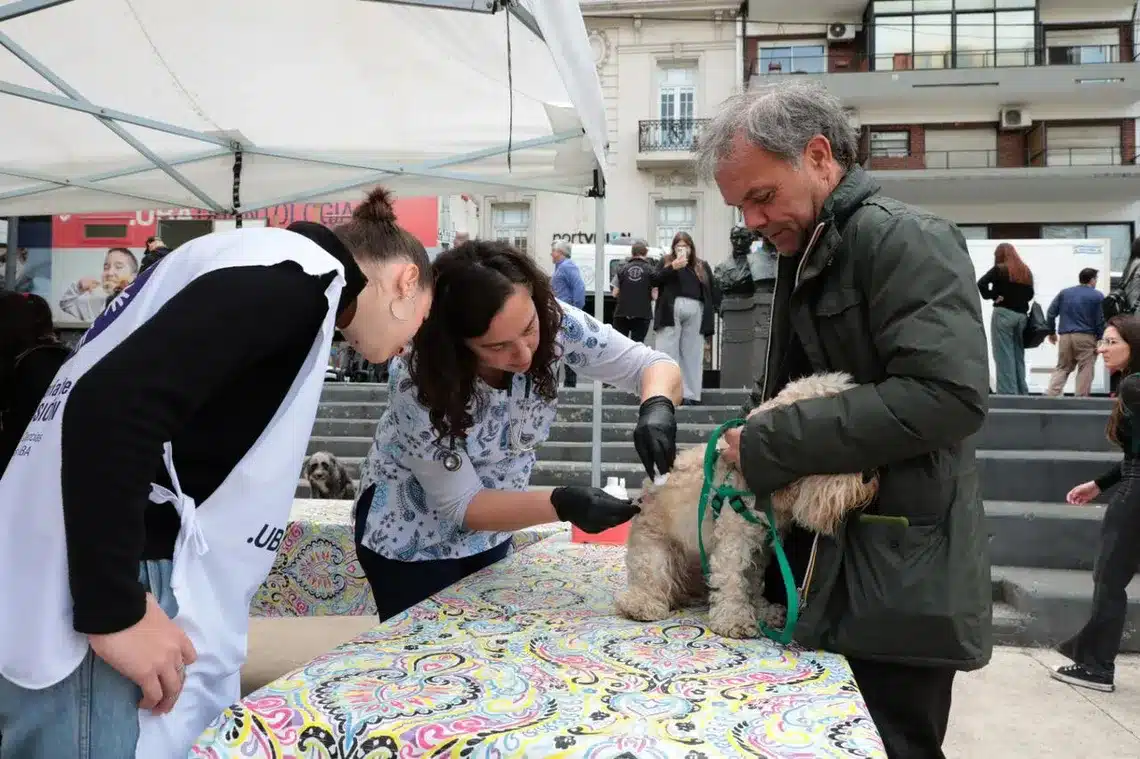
225	547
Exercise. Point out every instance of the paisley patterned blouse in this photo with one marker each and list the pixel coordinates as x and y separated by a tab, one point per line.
423	487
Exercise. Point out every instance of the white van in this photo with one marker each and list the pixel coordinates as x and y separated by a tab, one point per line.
616	255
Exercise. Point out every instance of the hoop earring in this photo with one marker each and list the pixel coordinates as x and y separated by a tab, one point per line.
402	317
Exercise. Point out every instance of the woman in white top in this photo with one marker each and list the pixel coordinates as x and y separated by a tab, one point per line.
446	481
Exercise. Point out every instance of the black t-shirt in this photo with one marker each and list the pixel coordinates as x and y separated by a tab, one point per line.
634	299
690	284
207	372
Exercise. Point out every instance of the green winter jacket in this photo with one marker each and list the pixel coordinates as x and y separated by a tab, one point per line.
885	292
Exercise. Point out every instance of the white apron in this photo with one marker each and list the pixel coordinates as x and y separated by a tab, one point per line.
225	547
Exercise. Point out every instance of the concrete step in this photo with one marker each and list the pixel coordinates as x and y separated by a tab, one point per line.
1026	476
365	392
1056	603
1043	535
567	412
1004	429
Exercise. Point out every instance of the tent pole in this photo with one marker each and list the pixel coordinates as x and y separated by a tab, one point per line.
600	281
13	252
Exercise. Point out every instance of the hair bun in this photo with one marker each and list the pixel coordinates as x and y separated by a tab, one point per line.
376	208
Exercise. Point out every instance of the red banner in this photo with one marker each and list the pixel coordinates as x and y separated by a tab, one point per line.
420	216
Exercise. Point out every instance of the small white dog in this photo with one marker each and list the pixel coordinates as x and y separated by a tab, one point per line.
663	558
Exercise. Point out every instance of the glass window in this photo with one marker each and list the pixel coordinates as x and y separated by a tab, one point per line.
1016	4
975	40
894	43
511	224
1119	235
925	6
796	59
1016	39
893	6
932	41
973	5
1121	246
890	144
975	232
675	216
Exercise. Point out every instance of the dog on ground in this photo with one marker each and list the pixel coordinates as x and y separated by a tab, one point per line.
327	477
663	557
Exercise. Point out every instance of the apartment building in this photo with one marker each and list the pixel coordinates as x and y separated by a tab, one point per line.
1014	118
663	65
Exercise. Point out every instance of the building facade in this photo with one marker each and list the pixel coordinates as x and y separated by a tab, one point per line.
1014	118
663	65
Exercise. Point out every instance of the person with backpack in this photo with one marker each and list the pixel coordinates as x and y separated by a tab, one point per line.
1009	284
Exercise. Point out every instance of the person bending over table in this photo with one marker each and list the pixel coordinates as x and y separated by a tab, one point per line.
154	484
446	480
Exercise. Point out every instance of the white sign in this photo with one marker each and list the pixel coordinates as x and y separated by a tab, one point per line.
1055	265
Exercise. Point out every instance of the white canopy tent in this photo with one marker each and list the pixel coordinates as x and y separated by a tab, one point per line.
119	105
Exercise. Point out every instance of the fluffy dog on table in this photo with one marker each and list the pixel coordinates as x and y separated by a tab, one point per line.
327	477
663	563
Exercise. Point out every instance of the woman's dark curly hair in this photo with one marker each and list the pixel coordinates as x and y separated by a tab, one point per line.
472	282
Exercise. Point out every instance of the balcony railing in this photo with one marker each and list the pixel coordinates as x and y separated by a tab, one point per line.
1080	157
961	159
848	62
988	159
675	135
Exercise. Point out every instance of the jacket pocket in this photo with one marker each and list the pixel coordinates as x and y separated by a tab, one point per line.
844	333
897	590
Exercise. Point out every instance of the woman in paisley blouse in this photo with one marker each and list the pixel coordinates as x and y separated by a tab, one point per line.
446	481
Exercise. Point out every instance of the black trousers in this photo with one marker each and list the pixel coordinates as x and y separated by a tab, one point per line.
1117	561
909	705
632	327
399	585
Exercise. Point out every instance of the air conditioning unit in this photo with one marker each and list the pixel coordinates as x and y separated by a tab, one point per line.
839	32
1015	117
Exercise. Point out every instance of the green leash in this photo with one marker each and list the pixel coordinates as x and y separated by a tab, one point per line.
715	496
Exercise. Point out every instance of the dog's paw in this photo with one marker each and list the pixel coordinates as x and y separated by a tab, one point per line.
773	615
634	605
733	622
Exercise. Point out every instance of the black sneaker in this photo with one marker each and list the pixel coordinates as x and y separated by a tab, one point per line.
1083	677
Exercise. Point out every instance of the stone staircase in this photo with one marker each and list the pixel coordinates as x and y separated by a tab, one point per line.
1031	451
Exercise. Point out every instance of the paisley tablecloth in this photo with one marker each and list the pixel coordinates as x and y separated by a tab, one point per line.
525	659
316	572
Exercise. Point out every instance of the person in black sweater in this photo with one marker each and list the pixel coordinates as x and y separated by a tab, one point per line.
30	356
207	372
1009	284
633	289
1094	649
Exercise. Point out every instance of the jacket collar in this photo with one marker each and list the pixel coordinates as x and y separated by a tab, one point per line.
855	187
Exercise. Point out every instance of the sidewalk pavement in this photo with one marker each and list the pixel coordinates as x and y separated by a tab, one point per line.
1011	709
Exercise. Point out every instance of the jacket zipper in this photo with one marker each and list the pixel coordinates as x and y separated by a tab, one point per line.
803	590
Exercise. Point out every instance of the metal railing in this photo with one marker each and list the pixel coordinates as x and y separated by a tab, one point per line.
847	62
961	159
1080	156
988	159
676	135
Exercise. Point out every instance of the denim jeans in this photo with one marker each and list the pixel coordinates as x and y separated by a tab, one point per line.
91	714
1007	336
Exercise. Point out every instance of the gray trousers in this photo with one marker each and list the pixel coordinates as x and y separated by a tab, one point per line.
1007	338
684	343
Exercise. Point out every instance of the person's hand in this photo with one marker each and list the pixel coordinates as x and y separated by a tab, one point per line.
153	653
87	284
655	436
1083	493
731	451
1053	339
591	510
679	262
998	299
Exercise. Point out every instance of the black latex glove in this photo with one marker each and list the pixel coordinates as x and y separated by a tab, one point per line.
591	510
655	436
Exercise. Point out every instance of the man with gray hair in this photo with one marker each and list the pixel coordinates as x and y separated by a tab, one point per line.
569	288
885	292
